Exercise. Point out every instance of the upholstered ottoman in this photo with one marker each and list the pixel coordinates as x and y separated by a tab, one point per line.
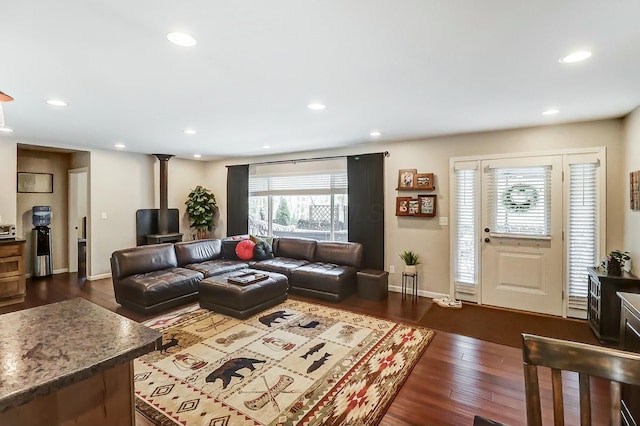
242	301
373	284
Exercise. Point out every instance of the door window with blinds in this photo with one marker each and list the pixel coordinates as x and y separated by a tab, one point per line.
302	199
520	200
583	231
520	206
466	230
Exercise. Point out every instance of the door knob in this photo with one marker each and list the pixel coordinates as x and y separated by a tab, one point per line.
486	229
486	240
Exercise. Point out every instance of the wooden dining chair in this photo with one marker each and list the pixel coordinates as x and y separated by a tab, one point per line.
586	360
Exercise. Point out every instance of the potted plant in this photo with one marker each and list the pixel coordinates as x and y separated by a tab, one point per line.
201	209
615	260
411	260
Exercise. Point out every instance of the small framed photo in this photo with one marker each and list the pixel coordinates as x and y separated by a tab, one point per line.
424	181
414	207
406	178
427	205
402	206
634	195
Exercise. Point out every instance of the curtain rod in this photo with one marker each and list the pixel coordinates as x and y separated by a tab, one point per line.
304	160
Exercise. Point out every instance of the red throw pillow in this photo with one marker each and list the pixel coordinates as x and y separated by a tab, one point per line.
244	249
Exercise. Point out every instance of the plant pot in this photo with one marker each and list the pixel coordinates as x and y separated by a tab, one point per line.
202	234
410	269
613	266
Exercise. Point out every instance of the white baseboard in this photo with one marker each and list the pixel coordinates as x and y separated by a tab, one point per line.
99	276
60	271
423	293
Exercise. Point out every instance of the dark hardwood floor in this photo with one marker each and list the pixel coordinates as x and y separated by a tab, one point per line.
457	378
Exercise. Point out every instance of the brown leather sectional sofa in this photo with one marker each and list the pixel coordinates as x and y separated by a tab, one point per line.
157	277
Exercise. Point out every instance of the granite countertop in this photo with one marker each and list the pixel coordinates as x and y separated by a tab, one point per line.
46	348
633	301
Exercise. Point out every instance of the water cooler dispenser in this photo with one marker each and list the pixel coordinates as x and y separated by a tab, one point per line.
42	259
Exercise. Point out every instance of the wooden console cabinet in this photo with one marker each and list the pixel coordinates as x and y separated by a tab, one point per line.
603	304
12	281
630	341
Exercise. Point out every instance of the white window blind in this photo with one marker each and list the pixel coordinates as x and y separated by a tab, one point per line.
332	182
519	200
583	230
466	271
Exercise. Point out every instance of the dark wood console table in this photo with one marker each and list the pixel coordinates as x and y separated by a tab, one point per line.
630	341
603	304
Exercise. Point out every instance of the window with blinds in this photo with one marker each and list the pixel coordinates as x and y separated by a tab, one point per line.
583	230
519	200
466	257
306	199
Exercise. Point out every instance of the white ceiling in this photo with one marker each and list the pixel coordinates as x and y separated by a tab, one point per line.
409	68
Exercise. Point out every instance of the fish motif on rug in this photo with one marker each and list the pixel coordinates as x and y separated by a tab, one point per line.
296	363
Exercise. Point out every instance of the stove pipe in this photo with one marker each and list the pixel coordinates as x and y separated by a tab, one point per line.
163	216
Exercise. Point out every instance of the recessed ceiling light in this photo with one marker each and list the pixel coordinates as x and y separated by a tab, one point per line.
316	107
120	146
575	57
190	131
266	146
6	130
375	133
56	102
197	155
181	39
550	111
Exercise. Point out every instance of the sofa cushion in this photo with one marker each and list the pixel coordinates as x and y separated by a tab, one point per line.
262	251
341	253
158	286
326	277
217	267
281	265
140	260
189	252
295	248
244	249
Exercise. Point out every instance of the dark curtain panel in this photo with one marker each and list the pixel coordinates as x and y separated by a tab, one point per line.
238	199
366	206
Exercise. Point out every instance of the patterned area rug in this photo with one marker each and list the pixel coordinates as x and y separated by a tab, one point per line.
297	363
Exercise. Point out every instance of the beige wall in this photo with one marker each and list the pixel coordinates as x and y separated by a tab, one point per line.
631	163
8	164
120	183
57	164
424	235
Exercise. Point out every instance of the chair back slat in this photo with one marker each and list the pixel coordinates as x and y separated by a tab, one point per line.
588	361
616	406
558	403
585	399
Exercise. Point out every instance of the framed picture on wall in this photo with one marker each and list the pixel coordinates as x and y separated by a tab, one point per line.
35	182
406	178
402	206
427	205
634	195
424	181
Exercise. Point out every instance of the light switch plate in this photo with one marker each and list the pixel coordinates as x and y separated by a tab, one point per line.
443	221
103	216
392	269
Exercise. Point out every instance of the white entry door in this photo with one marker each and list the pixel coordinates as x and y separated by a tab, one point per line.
521	234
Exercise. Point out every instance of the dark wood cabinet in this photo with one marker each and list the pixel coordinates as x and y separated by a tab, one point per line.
630	341
604	305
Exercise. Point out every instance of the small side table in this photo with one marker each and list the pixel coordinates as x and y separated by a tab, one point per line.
410	279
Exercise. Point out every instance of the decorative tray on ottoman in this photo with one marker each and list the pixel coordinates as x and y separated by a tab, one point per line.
248	278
